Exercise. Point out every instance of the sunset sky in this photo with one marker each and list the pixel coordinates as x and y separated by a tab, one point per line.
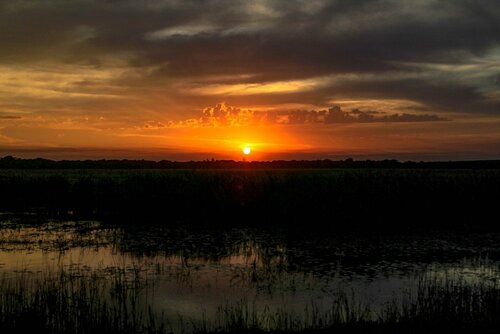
310	79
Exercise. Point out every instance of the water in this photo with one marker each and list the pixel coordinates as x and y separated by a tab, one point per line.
190	275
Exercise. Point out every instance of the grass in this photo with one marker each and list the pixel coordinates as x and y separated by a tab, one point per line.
341	199
72	303
357	200
86	303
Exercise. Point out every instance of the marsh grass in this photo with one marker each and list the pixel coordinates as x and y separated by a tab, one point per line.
246	316
443	300
73	303
87	303
341	199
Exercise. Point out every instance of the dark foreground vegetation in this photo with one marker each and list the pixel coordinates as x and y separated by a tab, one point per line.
10	162
354	199
75	303
322	196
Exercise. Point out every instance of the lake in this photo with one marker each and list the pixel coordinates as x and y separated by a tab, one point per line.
198	278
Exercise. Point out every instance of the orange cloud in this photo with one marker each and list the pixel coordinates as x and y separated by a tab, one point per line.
228	116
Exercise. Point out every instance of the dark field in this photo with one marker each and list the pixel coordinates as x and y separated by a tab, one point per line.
338	200
360	250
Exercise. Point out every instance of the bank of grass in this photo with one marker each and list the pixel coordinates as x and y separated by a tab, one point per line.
340	199
79	303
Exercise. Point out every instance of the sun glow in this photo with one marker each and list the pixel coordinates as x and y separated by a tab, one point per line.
247	150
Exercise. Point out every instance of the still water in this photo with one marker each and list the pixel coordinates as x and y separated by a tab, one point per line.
189	275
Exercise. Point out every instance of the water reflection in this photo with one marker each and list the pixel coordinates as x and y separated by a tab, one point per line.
192	274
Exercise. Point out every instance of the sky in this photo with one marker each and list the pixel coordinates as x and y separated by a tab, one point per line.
291	79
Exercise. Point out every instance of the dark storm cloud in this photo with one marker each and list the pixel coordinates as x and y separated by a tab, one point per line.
335	115
254	42
224	115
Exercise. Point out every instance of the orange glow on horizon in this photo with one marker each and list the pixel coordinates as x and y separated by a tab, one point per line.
229	142
227	133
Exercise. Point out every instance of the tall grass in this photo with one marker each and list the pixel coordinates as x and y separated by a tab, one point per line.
72	303
441	301
247	316
356	199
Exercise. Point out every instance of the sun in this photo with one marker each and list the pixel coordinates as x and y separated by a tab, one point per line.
247	150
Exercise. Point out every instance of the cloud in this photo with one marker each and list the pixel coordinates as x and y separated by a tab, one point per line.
335	115
134	61
9	117
222	115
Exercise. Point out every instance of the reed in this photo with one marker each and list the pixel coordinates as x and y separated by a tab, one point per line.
339	200
87	303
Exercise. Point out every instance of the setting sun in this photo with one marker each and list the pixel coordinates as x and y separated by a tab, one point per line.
246	150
